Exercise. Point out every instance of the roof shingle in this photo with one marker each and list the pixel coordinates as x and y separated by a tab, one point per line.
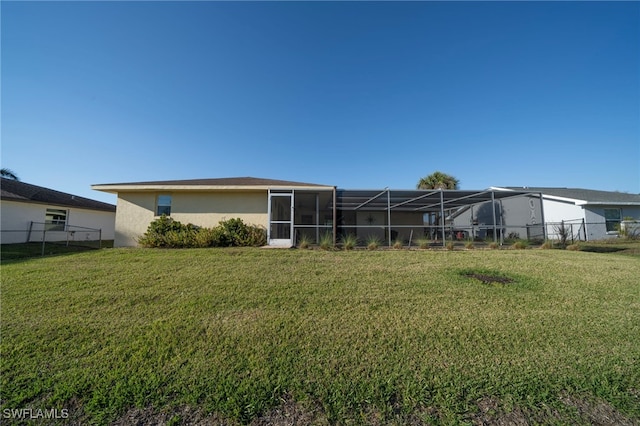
587	195
26	192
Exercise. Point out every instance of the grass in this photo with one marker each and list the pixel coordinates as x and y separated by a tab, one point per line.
27	250
393	336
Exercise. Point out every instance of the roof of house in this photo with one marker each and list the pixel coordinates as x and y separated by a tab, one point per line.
15	190
226	183
585	196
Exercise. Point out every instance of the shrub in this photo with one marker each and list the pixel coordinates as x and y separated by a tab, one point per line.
547	245
373	242
493	245
236	233
573	247
423	243
469	245
304	242
326	241
520	245
167	232
349	242
398	244
450	246
564	232
170	233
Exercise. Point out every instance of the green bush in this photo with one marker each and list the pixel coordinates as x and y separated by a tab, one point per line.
169	233
238	234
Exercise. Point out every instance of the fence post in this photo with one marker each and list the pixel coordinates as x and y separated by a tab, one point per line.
100	238
572	241
44	238
29	233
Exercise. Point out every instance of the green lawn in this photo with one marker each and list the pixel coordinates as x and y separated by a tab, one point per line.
364	337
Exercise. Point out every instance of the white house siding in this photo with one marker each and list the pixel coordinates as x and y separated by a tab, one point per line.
595	219
136	210
17	218
557	211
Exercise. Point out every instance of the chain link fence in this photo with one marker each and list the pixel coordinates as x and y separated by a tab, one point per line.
48	238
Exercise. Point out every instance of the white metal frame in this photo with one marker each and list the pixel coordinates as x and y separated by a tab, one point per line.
281	241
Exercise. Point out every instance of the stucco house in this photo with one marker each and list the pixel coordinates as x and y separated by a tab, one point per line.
289	210
30	213
588	214
205	202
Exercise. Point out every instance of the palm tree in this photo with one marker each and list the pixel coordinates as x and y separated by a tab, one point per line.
7	173
438	180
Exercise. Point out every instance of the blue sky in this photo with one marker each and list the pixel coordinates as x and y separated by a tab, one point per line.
353	94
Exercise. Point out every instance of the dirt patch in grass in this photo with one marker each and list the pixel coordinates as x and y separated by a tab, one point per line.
288	413
488	278
291	413
492	413
179	416
598	413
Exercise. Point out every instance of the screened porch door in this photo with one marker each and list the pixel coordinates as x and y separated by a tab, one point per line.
281	219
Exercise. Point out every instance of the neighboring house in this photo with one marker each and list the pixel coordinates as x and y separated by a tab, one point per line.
588	214
31	213
291	210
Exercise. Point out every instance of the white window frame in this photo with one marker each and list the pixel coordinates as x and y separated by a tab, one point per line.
161	202
56	219
616	221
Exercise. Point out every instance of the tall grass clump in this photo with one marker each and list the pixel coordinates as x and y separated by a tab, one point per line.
305	241
423	243
349	242
373	242
520	245
398	244
326	241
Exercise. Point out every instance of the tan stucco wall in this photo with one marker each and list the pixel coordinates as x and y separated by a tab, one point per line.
137	210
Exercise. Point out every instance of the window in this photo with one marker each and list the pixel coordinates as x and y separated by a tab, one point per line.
163	205
612	219
55	220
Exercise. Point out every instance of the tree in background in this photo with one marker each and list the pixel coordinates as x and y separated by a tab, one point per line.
7	173
438	180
